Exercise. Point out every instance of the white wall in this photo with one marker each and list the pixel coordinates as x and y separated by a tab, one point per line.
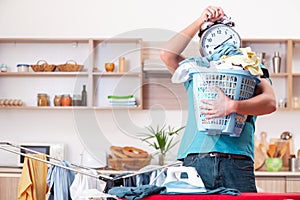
99	18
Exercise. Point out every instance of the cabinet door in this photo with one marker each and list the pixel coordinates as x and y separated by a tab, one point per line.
271	184
293	184
9	188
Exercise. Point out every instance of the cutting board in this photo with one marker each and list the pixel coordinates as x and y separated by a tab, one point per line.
259	158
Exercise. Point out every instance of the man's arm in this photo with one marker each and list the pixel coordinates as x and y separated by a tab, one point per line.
264	102
171	54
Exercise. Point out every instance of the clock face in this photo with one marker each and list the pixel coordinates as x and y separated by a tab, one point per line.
217	35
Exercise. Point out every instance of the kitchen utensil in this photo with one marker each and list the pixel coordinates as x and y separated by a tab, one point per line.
263	150
286	135
284	144
272	150
263	141
282	151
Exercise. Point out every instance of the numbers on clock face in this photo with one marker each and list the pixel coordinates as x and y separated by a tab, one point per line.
216	36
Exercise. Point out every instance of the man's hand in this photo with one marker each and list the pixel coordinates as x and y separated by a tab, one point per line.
217	108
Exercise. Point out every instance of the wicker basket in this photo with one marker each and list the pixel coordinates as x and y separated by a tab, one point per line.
127	163
70	66
43	66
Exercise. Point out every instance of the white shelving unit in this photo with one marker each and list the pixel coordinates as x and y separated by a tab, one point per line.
92	53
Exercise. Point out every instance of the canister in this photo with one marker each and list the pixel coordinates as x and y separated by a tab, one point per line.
76	100
23	67
66	100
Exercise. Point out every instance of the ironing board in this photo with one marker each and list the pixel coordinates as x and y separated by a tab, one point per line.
242	196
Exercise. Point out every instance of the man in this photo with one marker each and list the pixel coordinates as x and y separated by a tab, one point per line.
221	161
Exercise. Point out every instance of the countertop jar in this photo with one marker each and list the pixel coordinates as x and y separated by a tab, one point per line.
42	99
23	67
66	100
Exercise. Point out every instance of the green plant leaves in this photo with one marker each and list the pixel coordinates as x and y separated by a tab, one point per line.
161	138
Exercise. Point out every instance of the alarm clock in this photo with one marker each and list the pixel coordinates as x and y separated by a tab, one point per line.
214	34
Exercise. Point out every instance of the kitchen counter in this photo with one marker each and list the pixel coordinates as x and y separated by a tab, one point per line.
18	170
282	173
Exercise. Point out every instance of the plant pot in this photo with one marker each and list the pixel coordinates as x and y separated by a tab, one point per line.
161	159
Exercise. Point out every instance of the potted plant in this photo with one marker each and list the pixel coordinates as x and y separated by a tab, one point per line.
161	139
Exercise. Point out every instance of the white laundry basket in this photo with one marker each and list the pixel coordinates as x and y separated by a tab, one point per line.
236	84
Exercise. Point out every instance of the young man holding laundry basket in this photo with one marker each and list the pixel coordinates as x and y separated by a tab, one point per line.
220	160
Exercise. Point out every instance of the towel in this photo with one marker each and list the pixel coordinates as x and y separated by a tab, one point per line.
32	183
59	181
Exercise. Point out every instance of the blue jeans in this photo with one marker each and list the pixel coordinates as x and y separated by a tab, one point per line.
218	172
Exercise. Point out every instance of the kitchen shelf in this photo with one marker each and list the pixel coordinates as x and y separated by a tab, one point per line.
93	53
286	82
116	74
44	74
45	107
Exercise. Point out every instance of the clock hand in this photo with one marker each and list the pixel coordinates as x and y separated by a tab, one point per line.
223	42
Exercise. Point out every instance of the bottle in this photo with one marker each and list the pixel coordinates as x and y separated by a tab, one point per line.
296	104
122	64
276	62
84	96
292	163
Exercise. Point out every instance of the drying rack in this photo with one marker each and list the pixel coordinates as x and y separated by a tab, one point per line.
110	181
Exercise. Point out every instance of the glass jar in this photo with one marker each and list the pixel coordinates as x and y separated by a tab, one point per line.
42	99
66	100
76	101
3	68
23	68
57	100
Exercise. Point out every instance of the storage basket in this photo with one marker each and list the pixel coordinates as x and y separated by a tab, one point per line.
127	163
236	84
43	66
70	66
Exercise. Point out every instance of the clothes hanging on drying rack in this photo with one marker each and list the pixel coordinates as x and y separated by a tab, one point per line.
59	181
32	183
110	181
84	184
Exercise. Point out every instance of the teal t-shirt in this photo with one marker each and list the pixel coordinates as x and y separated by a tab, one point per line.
194	141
